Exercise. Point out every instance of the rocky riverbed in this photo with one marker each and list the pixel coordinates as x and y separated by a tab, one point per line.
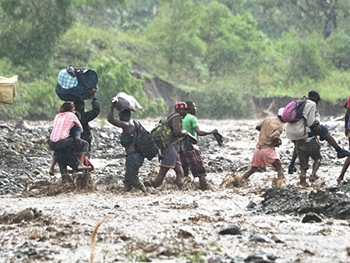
231	222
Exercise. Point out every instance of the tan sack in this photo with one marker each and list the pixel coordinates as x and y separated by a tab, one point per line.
8	88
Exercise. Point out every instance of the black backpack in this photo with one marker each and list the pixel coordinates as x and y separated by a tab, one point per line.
144	142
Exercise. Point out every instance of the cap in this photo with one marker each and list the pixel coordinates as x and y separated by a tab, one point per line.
280	111
314	94
180	105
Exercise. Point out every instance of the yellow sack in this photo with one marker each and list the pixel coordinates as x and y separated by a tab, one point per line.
8	88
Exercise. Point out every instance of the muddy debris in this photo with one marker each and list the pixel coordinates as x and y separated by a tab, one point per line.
332	204
46	220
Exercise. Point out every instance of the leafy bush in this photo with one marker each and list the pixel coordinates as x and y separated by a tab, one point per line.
36	100
233	42
220	102
31	29
301	59
339	50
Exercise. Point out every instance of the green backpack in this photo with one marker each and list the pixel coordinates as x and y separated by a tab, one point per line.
162	133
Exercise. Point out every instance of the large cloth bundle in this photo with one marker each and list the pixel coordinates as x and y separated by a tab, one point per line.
8	87
76	88
126	102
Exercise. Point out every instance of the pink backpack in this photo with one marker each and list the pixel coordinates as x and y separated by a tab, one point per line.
293	111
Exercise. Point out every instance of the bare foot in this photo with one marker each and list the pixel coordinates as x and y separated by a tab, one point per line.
313	178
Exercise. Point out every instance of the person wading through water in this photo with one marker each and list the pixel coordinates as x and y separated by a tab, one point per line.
133	159
190	155
170	154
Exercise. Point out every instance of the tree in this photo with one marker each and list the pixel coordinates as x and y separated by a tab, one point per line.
115	77
31	29
302	58
304	17
175	33
233	42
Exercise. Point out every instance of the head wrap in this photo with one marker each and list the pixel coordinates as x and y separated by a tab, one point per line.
180	105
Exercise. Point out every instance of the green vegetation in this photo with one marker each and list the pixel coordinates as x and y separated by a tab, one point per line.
219	53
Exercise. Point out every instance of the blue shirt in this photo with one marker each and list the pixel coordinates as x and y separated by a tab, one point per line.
66	81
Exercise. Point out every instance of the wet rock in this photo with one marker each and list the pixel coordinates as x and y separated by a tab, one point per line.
311	218
260	259
289	201
332	188
27	214
260	238
232	230
24	249
184	234
214	260
251	204
343	182
276	239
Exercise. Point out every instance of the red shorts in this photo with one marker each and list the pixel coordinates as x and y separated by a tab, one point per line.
264	157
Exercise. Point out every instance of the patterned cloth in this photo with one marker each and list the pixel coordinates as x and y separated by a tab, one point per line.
66	81
62	125
194	160
264	157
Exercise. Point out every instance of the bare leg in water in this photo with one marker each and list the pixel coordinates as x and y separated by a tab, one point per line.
162	173
248	173
315	166
344	169
278	166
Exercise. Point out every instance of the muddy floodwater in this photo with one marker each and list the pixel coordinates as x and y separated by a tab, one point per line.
233	221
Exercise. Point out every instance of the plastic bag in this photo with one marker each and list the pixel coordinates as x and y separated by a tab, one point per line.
126	102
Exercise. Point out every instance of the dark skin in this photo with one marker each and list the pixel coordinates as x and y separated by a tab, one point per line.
317	129
347	134
124	122
346	118
192	109
177	130
276	164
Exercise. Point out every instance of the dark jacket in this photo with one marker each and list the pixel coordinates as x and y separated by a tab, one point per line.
88	116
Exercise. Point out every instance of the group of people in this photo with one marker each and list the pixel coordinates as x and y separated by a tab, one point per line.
181	154
71	136
305	134
71	142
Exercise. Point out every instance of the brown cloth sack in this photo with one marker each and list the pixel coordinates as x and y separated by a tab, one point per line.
8	88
